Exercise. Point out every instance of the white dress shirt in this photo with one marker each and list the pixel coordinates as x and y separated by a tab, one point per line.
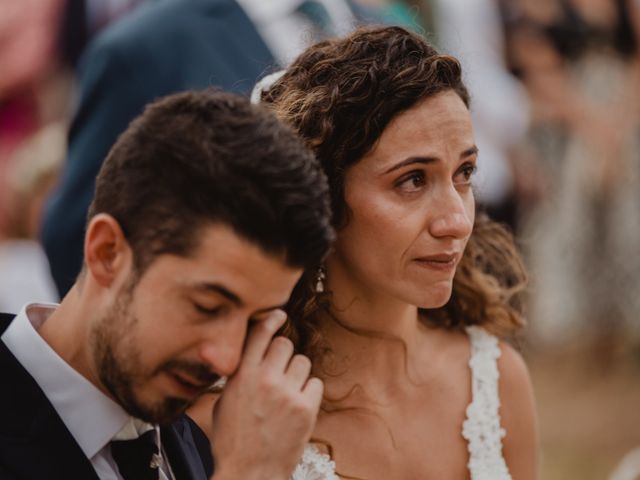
92	418
286	32
471	31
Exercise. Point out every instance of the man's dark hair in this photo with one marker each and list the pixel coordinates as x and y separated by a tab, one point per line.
197	158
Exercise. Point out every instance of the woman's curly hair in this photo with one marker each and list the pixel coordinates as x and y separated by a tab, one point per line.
340	95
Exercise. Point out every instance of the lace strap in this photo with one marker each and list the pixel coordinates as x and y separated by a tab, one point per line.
482	427
315	465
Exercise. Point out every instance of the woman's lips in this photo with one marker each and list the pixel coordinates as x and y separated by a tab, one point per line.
444	262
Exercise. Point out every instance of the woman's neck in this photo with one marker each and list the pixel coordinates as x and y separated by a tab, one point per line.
372	336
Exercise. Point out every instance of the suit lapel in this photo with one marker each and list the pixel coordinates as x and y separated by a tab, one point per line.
189	457
34	442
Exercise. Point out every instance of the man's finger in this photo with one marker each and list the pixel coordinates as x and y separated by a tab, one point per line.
298	371
259	337
278	354
313	391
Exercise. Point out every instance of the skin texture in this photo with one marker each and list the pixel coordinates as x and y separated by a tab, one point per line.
153	342
410	199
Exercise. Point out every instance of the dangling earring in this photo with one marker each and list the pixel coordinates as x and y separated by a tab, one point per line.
320	276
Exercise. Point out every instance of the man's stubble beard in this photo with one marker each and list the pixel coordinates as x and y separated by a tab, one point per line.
116	356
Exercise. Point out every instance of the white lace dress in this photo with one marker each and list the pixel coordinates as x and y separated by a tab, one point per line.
481	428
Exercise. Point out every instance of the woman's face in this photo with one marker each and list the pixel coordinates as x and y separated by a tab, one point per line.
412	206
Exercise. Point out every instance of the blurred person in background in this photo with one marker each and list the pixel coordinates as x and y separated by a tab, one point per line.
416	15
39	44
161	47
33	169
472	31
166	46
579	61
83	19
628	468
32	87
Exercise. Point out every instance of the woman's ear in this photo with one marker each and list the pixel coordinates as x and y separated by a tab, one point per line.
106	250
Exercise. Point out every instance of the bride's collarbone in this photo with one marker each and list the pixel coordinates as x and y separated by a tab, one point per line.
406	454
425	385
416	441
407	426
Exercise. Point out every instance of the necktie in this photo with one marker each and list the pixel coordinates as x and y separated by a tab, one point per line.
137	459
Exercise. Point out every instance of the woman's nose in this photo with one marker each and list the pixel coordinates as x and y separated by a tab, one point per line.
453	217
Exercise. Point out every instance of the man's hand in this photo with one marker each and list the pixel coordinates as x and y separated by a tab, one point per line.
268	409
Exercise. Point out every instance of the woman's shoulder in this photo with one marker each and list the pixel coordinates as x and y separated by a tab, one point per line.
515	386
502	413
488	352
518	413
514	373
512	368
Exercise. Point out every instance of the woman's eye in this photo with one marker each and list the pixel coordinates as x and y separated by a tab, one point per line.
465	173
412	182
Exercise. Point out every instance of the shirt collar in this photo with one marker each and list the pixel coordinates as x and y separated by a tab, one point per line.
92	418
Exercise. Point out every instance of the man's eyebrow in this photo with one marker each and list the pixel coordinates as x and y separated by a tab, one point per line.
223	291
427	160
269	309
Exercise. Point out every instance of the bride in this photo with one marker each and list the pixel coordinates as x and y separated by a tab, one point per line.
403	321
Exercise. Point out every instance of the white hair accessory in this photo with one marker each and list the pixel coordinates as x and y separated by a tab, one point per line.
264	84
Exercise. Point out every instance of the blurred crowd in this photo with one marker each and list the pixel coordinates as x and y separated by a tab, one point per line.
555	87
556	104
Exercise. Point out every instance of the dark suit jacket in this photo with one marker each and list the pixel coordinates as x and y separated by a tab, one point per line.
35	443
164	46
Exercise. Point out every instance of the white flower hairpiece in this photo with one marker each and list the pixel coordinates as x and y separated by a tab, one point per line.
264	84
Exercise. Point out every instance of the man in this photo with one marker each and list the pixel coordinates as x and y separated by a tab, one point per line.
205	213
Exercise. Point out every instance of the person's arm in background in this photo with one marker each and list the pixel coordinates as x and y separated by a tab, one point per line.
109	98
472	32
160	48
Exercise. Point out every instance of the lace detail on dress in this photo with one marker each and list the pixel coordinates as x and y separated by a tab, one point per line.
482	426
315	466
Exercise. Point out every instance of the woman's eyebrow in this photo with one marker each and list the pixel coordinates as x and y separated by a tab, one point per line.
410	161
427	160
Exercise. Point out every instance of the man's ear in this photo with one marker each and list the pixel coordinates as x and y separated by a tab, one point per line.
106	251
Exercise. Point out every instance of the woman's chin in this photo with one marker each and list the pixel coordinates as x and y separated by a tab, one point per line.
436	297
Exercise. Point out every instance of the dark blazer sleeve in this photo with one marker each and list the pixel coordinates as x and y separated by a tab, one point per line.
202	444
161	48
110	96
188	450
